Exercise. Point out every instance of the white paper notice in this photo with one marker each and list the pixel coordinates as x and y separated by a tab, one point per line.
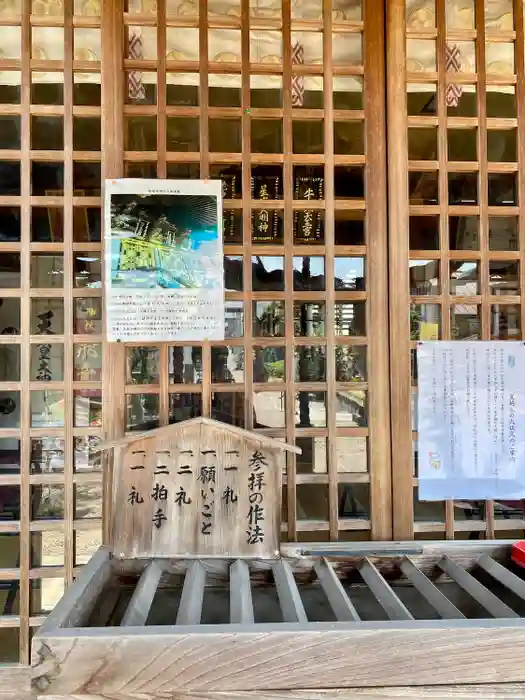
164	260
471	420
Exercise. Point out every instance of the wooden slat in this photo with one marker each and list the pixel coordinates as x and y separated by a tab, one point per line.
503	575
384	594
190	606
289	597
441	604
339	600
493	605
241	605
139	606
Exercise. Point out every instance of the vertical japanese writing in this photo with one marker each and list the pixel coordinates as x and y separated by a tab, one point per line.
207	478
256	484
512	427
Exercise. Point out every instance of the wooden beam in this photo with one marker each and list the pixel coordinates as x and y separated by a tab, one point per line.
140	604
441	604
289	597
493	605
503	575
190	606
241	604
384	594
340	603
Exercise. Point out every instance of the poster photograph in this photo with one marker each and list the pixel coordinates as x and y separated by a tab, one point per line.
164	260
471	420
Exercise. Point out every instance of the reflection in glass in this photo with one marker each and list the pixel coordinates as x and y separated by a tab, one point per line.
501	146
425	322
85	459
267	273
467	102
350	363
9	180
9	132
312	502
88	316
349	227
143	365
88	500
352	455
269	408
47	502
465	322
463	232
462	144
9	270
182	134
47	271
423	187
309	319
350	318
463	188
9	363
225	135
228	407
313	459
9	224
86	179
86	94
87	270
47	409
268	319
424	277
9	316
225	91
424	232
310	363
501	101
86	134
227	364
86	225
350	410
266	136
9	409
505	323
503	190
184	406
504	277
233	319
349	138
47	179
141	133
310	409
47	133
308	136
185	365
232	227
347	92
87	543
349	274
233	273
47	316
354	501
142	412
47	362
422	144
308	273
87	362
503	233
269	364
464	278
47	224
87	407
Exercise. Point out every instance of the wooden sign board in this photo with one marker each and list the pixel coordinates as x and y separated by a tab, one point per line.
197	488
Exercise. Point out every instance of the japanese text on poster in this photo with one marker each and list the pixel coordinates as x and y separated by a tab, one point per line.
471	428
164	260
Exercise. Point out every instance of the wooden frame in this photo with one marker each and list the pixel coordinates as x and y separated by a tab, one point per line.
279	657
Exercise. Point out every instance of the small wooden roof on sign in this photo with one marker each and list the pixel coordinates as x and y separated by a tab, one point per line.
199	488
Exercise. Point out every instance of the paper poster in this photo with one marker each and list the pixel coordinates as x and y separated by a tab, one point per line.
164	260
471	420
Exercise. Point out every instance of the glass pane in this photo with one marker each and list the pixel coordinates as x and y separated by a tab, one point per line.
47	409
184	406
87	407
425	322
9	409
9	182
309	319
87	225
267	273
233	273
227	364
47	363
47	456
141	133
88	500
424	277
269	407
503	233
310	409
234	319
228	407
47	271
88	316
269	364
87	270
268	319
504	277
185	365
9	316
85	459
142	412
143	365
312	502
309	274
87	363
350	410
47	224
465	322
349	274
463	188
350	363
310	363
86	134
10	132
463	232
47	133
47	316
352	454
9	270
225	135
182	134
423	187
313	458
86	544
354	501
9	363
462	144
9	224
350	318
47	502
47	179
505	322
464	278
